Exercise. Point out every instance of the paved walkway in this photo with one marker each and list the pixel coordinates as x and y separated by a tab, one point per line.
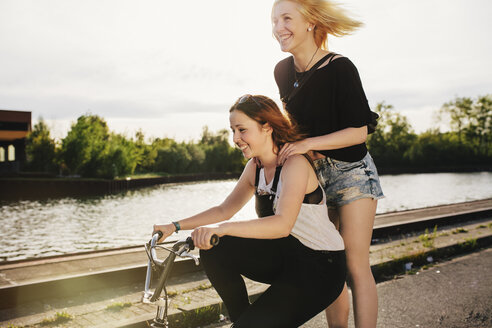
456	293
122	306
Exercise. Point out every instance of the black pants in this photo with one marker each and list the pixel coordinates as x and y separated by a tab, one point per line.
302	281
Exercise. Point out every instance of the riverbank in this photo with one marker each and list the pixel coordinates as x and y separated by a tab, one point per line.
30	188
33	186
437	169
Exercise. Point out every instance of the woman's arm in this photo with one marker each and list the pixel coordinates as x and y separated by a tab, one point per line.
295	175
336	140
239	196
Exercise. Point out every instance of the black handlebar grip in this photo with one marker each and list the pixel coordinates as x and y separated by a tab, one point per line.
190	243
214	240
160	235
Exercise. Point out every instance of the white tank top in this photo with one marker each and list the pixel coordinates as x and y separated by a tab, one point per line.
313	227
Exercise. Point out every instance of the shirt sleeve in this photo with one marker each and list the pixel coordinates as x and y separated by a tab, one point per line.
282	76
352	105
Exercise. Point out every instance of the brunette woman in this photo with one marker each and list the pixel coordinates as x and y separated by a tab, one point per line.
323	93
292	245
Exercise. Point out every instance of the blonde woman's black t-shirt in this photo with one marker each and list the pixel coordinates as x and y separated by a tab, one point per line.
331	99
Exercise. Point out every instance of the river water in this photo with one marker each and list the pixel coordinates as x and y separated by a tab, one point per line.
43	228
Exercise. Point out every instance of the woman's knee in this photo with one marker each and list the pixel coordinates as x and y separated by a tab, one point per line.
212	257
359	276
357	259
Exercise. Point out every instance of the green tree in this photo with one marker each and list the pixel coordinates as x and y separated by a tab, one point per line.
440	150
120	158
90	150
197	158
481	122
392	139
210	138
458	112
219	155
160	149
147	153
84	146
471	119
173	159
41	149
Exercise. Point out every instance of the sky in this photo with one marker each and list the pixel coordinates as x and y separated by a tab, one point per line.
169	68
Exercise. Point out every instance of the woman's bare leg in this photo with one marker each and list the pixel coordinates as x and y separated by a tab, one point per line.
337	313
356	224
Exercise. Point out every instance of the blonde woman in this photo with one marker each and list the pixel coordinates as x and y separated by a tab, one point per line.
323	93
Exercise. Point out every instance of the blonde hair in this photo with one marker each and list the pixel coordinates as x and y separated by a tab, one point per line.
327	17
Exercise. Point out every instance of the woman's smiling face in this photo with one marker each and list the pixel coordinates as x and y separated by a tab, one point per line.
250	136
289	26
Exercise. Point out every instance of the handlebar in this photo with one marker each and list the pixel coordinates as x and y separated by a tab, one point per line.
181	249
214	241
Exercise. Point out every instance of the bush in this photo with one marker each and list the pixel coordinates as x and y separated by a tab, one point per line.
91	151
41	149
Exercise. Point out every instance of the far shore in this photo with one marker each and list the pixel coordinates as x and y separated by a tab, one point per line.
34	186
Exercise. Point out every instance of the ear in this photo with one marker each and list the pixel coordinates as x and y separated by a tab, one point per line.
267	128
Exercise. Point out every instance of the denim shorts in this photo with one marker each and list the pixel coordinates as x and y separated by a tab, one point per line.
345	182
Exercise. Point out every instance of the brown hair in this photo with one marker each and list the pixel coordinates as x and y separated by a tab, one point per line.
327	17
264	110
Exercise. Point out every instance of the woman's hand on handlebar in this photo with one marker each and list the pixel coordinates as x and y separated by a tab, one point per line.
166	229
201	236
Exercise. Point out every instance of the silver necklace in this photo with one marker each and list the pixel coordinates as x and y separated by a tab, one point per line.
296	83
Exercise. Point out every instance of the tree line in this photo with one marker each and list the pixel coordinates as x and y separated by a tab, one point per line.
467	144
91	150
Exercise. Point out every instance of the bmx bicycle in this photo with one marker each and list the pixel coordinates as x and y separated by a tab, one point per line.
163	269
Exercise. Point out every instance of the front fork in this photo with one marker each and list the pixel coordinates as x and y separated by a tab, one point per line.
165	267
160	321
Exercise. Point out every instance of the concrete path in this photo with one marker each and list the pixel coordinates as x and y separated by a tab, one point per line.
457	294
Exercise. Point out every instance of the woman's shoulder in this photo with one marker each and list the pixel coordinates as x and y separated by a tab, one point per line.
339	62
285	61
344	65
283	74
298	170
283	65
249	171
250	166
296	162
340	69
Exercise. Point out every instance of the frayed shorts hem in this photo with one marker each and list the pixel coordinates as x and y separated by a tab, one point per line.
345	182
348	201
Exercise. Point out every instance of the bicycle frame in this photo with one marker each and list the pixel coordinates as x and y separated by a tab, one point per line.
164	268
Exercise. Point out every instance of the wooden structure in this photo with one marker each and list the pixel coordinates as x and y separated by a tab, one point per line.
14	127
